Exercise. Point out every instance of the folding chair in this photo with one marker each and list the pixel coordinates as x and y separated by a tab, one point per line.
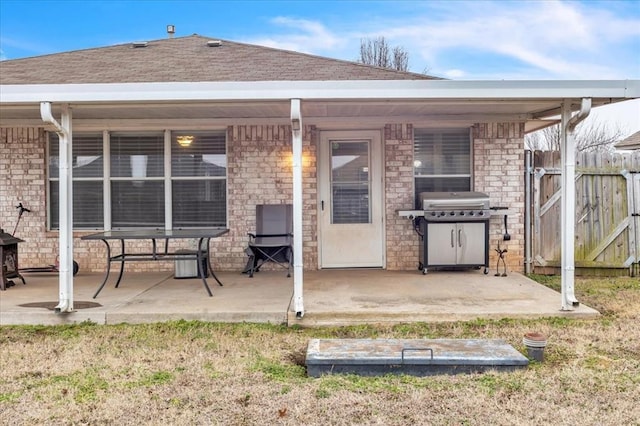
273	239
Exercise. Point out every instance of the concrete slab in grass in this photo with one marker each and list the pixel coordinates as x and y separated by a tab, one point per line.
419	357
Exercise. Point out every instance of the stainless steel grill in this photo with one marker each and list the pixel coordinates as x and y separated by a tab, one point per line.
458	206
453	228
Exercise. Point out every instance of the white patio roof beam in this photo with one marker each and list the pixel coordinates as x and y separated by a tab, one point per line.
321	90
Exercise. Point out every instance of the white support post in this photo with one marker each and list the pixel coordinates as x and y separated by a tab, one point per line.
66	214
296	139
568	215
567	154
65	247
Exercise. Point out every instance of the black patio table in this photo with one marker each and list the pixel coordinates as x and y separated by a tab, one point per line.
202	252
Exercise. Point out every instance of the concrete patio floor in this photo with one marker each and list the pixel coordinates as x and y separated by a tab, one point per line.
331	297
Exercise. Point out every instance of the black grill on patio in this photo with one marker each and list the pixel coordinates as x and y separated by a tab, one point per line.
9	259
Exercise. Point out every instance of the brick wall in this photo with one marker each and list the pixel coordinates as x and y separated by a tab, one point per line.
23	179
259	171
499	171
401	241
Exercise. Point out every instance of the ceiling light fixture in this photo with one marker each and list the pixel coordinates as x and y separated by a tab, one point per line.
185	141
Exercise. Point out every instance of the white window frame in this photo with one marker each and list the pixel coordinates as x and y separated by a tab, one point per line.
107	179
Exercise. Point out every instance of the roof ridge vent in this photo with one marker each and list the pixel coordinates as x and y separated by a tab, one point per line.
137	44
214	43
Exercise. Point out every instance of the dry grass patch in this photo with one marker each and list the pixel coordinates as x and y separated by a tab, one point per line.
250	374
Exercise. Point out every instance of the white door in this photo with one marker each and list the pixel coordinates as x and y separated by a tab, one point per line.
350	217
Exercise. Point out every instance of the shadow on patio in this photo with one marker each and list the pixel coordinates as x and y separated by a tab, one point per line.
331	297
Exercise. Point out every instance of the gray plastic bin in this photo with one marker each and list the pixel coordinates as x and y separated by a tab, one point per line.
188	268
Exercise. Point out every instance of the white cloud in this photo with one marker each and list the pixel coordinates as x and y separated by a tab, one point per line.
486	39
454	73
546	39
305	36
31	48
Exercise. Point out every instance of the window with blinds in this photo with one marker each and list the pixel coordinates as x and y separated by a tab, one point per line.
87	170
137	176
442	160
137	184
198	179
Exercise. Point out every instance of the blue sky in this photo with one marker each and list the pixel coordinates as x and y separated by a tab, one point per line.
465	40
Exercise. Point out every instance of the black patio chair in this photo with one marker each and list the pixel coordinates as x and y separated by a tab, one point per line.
273	239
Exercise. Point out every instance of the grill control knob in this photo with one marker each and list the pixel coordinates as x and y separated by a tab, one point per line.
461	213
433	213
481	213
471	213
452	213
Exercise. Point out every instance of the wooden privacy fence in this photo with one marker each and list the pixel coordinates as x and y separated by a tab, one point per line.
607	213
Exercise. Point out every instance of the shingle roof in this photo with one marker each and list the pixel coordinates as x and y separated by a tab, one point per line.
632	142
187	59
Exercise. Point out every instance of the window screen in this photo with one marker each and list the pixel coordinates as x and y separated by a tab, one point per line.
442	161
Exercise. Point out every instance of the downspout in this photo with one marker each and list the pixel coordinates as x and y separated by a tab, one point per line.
64	131
585	110
527	211
568	153
296	140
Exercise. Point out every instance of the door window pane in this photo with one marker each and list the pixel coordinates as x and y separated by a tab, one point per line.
350	184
